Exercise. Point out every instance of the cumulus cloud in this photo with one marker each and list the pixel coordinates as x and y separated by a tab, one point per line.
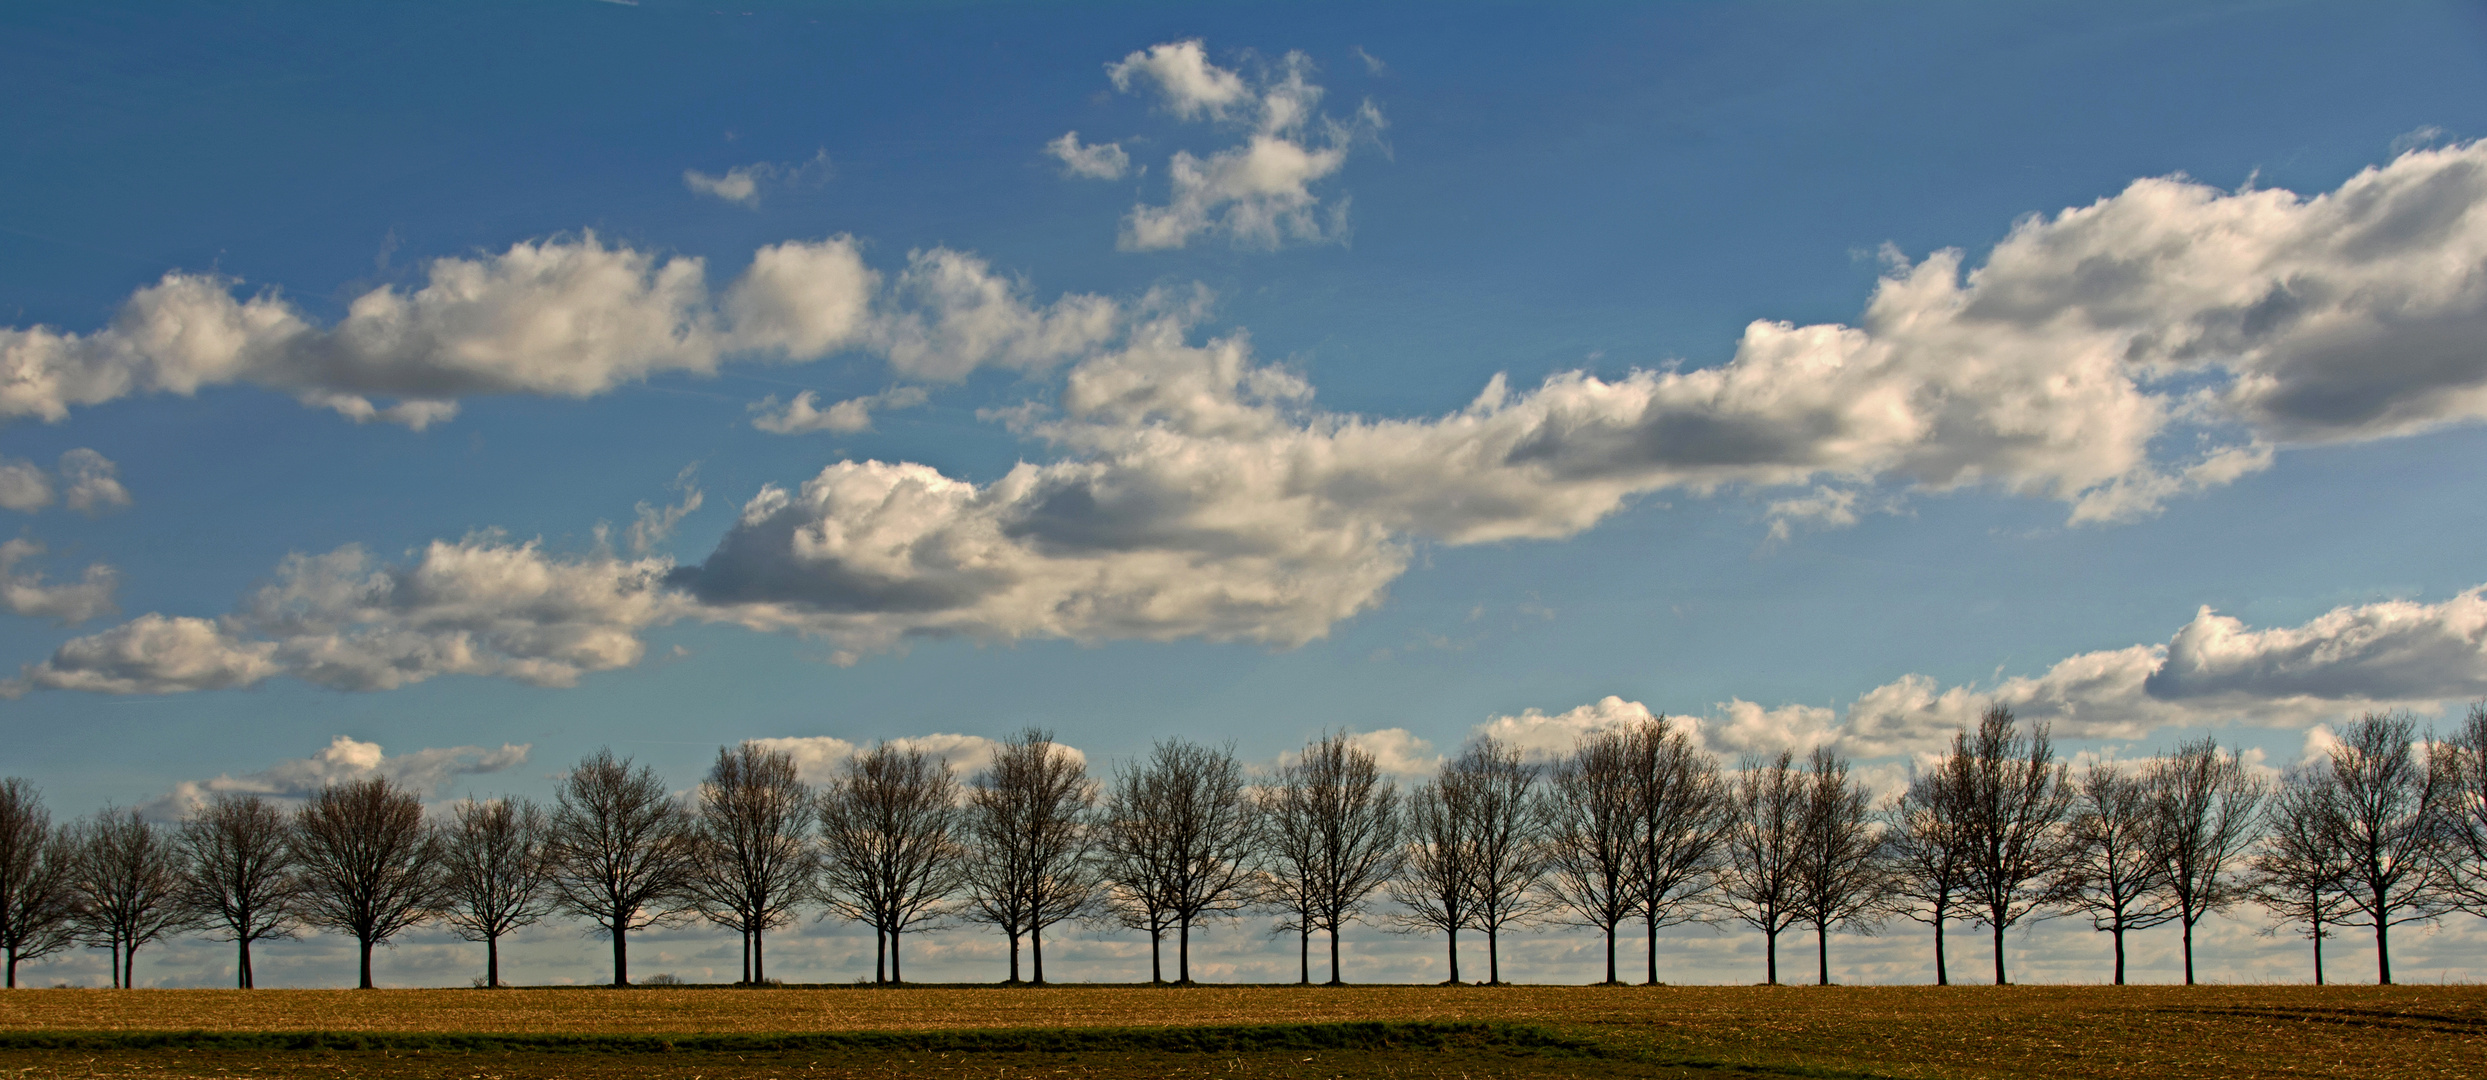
68	603
953	314
818	757
1258	194
655	524
2212	671
803	414
743	184
84	480
480	606
1103	161
344	760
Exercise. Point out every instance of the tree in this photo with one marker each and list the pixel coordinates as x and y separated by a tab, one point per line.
1761	882
369	864
2210	814
1929	851
1178	841
1508	831
2298	873
497	873
2463	760
1434	885
621	850
36	862
1593	834
2016	797
2390	810
889	824
237	861
755	859
1290	857
1351	818
127	887
1031	812
1681	800
2115	856
1840	879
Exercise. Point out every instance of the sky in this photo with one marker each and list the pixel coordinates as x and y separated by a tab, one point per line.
447	391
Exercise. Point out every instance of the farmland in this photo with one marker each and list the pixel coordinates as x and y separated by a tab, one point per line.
1114	1031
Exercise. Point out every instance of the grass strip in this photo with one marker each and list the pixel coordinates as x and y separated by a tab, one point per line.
1360	1035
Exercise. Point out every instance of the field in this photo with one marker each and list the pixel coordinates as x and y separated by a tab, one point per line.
1120	1031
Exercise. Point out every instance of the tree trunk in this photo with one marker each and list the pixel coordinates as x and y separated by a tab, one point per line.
241	976
2118	931
1999	954
1157	965
1493	957
1014	956
1770	961
1036	953
621	955
2383	952
1822	953
1653	949
880	955
759	956
2319	951
1942	974
2189	952
366	950
1334	979
492	961
894	977
1183	951
746	957
1454	947
1304	955
116	963
12	967
129	968
1610	956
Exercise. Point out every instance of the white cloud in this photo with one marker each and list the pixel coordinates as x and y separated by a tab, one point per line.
1258	194
69	603
85	481
655	524
817	757
1541	737
479	606
742	184
344	760
1103	161
803	414
952	314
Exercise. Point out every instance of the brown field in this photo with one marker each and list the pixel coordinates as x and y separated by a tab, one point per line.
2242	1031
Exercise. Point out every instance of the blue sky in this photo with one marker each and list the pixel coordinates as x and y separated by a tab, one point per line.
375	351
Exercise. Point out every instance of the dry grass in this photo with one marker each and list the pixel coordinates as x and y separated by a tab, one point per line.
2245	1031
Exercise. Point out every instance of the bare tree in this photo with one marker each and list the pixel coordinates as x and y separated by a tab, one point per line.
1178	840
1929	851
1593	835
2115	857
1031	813
1288	877
36	863
2390	808
127	888
1434	885
2017	797
1509	836
369	864
497	873
755	861
1840	879
1681	801
237	873
2210	812
621	850
889	823
1354	820
2463	761
1133	860
1761	882
2298	873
